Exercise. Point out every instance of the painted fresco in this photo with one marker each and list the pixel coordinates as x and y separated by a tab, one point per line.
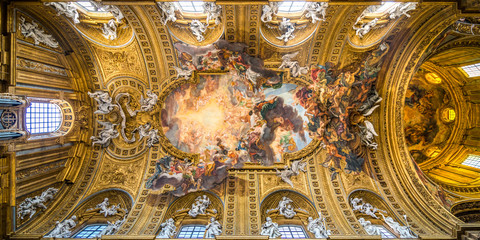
221	114
425	132
252	114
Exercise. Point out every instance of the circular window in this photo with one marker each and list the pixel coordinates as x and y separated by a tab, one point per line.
448	115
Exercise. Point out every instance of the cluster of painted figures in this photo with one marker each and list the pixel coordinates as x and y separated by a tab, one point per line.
335	109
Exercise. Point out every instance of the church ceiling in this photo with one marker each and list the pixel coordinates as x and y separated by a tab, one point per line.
245	103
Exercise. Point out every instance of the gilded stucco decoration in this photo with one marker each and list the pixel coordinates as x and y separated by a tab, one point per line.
146	84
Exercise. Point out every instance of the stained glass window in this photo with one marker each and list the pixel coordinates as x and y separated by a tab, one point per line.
90	231
192	231
385	233
472	70
191	7
292	231
43	117
291	7
472	161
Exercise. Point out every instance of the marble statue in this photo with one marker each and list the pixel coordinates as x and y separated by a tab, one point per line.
168	229
109	30
198	29
32	30
104	102
268	11
199	206
213	12
369	228
148	103
29	205
365	208
316	11
269	228
213	228
106	134
63	229
168	11
186	73
368	10
112	228
403	231
365	28
288	172
67	8
106	209
285	207
318	227
287	28
294	66
114	10
367	132
401	9
151	134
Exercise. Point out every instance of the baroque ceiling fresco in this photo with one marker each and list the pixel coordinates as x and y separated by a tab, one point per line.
241	119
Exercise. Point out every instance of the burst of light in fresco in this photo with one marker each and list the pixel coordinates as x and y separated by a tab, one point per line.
221	115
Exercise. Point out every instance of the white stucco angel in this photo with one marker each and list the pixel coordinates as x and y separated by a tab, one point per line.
63	229
149	133
29	205
106	134
199	206
294	66
32	30
288	172
401	9
369	228
109	30
66	8
287	28
148	103
168	11
318	227
168	229
268	11
316	11
112	228
104	102
186	73
285	207
269	228
198	29
213	228
213	12
365	28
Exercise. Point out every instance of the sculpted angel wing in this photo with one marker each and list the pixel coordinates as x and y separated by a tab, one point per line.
370	128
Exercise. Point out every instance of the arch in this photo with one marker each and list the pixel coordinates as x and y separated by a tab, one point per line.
303	207
179	210
467	211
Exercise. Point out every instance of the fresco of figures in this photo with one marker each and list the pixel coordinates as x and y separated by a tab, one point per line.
251	114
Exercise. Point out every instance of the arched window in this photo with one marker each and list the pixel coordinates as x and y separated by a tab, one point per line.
291	7
90	231
190	7
448	115
43	117
192	231
472	161
472	70
292	231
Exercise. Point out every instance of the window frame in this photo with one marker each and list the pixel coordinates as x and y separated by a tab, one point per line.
305	234
475	160
85	228
190	236
27	123
466	72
